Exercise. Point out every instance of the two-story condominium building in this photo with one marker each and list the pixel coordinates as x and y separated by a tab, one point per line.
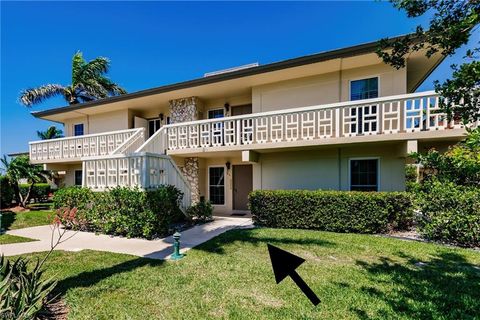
340	120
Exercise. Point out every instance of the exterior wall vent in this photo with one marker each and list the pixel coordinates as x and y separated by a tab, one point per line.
246	66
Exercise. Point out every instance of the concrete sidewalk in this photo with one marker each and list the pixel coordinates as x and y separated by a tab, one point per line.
155	249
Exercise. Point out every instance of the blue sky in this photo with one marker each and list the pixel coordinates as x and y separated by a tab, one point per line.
156	43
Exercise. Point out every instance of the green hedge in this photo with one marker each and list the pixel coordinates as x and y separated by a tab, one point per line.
123	211
6	192
40	191
450	213
339	211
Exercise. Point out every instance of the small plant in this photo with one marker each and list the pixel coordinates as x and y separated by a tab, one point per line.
201	211
24	292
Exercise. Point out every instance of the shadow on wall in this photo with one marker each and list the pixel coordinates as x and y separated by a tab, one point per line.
445	286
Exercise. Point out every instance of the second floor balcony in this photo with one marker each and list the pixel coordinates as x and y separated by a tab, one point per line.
402	117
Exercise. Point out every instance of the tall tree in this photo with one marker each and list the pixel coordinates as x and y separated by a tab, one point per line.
451	25
20	168
51	133
88	83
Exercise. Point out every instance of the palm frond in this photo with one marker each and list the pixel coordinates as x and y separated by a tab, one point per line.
32	96
51	133
112	88
78	63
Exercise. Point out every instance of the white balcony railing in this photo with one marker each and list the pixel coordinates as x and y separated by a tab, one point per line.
75	148
381	116
143	170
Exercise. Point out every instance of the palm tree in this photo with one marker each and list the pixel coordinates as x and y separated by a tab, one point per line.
88	83
51	133
21	168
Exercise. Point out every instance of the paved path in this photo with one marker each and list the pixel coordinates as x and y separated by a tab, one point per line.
155	249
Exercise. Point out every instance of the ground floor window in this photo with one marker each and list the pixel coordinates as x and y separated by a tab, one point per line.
216	185
364	174
78	177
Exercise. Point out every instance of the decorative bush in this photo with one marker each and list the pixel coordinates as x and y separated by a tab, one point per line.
40	191
130	212
6	192
72	197
201	211
339	211
450	213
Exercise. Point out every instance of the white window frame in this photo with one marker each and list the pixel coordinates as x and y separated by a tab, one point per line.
224	185
153	119
215	109
364	158
77	124
363	78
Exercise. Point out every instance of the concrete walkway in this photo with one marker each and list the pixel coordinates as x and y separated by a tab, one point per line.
155	249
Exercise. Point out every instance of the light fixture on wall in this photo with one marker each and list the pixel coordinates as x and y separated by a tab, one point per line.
227	164
161	116
227	106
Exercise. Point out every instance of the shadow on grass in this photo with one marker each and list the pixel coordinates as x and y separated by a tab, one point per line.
8	218
216	244
90	278
445	286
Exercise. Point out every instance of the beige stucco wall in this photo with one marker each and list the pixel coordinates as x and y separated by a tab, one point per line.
327	88
68	179
102	122
328	168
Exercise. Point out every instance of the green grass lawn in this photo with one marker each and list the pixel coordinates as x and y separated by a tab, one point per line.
19	220
7	238
355	276
11	221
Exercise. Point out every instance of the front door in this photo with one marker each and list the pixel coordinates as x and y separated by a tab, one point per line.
242	185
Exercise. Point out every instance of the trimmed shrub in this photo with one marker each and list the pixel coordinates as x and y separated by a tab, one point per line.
129	212
40	191
6	192
201	211
72	197
450	213
338	211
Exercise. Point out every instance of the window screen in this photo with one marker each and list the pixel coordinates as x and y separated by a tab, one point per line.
364	175
217	185
364	89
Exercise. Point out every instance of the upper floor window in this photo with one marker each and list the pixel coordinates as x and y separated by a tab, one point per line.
153	126
216	113
78	129
364	174
364	89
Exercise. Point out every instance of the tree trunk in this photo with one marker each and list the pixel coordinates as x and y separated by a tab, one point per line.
16	190
24	201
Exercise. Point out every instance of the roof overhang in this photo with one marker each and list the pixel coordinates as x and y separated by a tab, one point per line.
241	81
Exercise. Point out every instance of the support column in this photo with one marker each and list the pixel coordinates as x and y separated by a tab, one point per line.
191	172
184	110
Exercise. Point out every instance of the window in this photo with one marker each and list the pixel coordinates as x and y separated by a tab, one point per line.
78	177
153	126
364	89
216	182
78	129
364	175
216	113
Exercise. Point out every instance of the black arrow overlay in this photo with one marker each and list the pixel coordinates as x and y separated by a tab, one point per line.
284	264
